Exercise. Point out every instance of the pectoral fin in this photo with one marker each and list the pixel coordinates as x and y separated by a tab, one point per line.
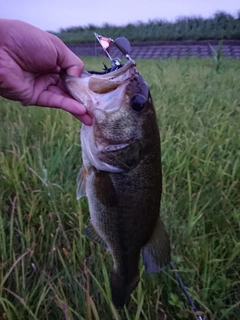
156	253
81	183
104	189
92	234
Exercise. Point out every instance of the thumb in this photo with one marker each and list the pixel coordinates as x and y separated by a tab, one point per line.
67	60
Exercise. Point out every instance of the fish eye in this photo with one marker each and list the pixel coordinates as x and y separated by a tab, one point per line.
138	103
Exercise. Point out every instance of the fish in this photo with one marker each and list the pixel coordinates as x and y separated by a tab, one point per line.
121	173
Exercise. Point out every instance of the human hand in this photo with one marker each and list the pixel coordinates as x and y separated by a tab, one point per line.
30	62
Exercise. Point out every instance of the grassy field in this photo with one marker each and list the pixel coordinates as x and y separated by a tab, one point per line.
50	271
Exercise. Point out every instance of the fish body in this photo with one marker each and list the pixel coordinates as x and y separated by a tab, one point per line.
121	174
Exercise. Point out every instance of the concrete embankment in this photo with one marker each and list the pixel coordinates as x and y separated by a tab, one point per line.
171	49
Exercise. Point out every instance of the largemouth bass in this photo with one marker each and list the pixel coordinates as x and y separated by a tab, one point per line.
121	173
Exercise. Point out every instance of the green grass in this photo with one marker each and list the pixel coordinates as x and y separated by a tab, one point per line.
48	270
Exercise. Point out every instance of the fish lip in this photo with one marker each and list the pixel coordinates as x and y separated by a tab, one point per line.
64	75
113	74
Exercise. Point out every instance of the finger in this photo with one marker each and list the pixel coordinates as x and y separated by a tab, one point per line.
86	119
59	88
67	59
54	100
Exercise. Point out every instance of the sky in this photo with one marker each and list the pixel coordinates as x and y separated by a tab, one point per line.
52	15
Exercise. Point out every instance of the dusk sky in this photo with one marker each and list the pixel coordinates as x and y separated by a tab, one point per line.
55	14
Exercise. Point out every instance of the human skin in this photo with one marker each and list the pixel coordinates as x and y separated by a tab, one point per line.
30	62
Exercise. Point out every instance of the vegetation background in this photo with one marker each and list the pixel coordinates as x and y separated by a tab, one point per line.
219	27
49	270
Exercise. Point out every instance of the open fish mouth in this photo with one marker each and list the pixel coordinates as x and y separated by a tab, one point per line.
93	89
111	80
101	82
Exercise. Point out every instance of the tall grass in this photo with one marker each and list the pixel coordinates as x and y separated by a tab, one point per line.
220	26
48	270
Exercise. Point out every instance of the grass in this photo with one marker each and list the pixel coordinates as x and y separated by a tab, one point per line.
48	270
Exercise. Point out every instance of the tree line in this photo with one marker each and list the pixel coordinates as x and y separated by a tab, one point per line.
218	27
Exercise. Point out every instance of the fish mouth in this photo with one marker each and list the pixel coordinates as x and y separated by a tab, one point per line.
90	88
108	81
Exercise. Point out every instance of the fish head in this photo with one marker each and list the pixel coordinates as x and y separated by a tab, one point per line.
118	101
124	122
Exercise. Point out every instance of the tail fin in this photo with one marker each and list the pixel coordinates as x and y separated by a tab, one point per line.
122	289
